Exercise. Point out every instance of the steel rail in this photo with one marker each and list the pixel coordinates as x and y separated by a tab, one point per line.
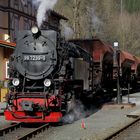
122	129
9	129
34	132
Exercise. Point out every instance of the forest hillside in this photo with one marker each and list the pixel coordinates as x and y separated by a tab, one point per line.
109	20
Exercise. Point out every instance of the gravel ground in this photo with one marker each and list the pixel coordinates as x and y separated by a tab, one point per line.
98	126
3	122
2	106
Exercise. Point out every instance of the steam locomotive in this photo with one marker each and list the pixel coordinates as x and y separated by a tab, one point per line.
42	84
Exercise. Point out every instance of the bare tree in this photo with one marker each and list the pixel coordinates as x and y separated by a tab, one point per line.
103	19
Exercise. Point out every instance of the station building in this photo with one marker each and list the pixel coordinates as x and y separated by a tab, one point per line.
14	15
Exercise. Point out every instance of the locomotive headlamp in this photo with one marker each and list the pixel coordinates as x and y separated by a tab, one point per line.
34	30
15	82
47	82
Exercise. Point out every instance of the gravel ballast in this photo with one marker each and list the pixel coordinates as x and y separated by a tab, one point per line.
98	126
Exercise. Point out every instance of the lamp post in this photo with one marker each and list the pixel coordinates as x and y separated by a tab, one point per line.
117	65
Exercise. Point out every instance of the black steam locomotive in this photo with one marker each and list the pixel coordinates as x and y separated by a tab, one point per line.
43	85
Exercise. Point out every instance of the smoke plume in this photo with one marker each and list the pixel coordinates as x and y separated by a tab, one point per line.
79	111
67	31
43	7
97	23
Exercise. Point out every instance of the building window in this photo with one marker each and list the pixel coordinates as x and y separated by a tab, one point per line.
26	24
7	68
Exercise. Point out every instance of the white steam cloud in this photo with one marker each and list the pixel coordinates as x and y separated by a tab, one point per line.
67	31
79	111
97	23
43	7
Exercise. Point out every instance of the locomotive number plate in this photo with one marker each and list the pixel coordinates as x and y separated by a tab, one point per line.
34	58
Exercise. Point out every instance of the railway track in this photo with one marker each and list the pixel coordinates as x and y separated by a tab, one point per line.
129	132
20	131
